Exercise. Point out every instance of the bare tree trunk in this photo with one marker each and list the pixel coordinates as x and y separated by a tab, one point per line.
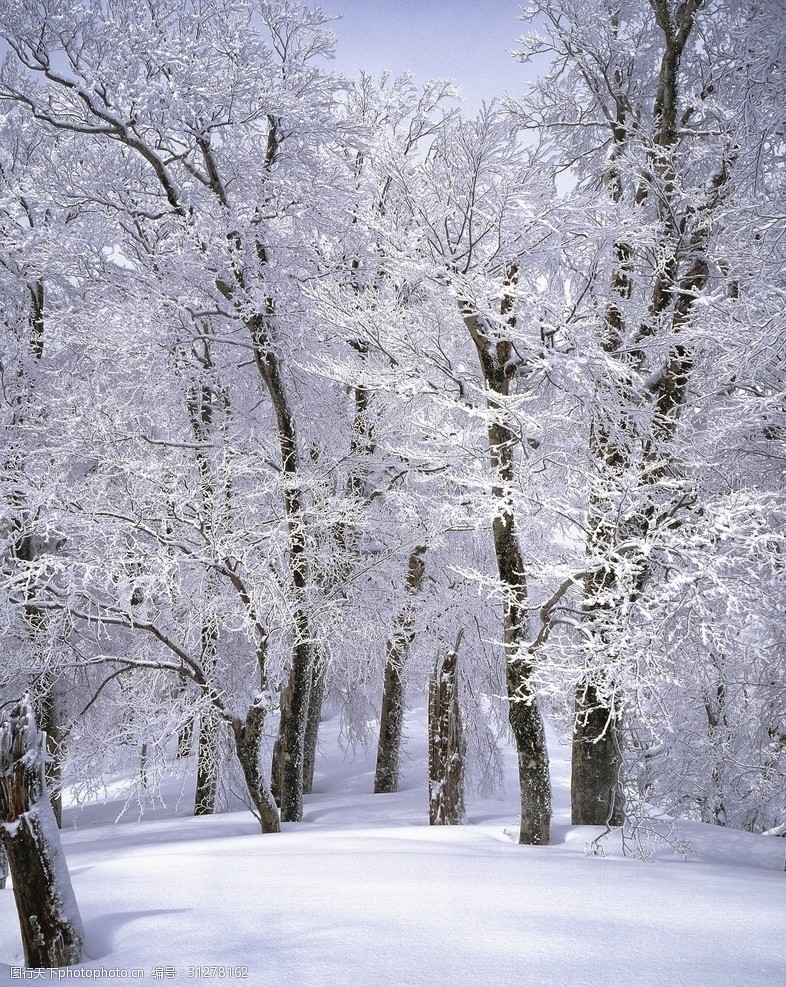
3	866
391	722
596	760
446	746
295	701
143	754
49	918
596	792
494	355
207	764
50	703
248	744
391	719
316	700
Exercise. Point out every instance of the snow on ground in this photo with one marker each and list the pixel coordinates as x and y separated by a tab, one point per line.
365	893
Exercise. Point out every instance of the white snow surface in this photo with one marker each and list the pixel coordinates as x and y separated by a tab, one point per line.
363	892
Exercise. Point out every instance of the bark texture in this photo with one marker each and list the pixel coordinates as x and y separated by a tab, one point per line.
49	920
207	764
496	360
391	721
596	793
315	702
3	866
248	744
51	703
446	746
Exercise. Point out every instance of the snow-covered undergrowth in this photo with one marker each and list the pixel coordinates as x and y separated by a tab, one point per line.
364	892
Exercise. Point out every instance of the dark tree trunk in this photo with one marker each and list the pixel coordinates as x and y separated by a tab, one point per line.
288	769
315	702
391	722
49	919
207	764
595	790
446	747
495	355
596	760
50	703
391	719
248	744
290	745
596	794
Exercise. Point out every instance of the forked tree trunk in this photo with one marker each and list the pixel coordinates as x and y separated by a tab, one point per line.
294	711
446	747
49	919
261	325
391	721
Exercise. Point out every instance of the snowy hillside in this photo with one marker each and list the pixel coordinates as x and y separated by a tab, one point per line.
363	892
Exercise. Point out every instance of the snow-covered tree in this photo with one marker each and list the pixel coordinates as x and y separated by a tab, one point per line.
644	106
49	919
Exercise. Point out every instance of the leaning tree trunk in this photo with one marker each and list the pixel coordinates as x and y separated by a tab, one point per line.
49	919
446	747
248	745
391	719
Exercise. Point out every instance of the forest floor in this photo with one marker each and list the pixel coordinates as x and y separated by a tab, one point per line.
364	893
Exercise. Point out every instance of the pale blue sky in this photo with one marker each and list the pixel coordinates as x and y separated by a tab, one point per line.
466	40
